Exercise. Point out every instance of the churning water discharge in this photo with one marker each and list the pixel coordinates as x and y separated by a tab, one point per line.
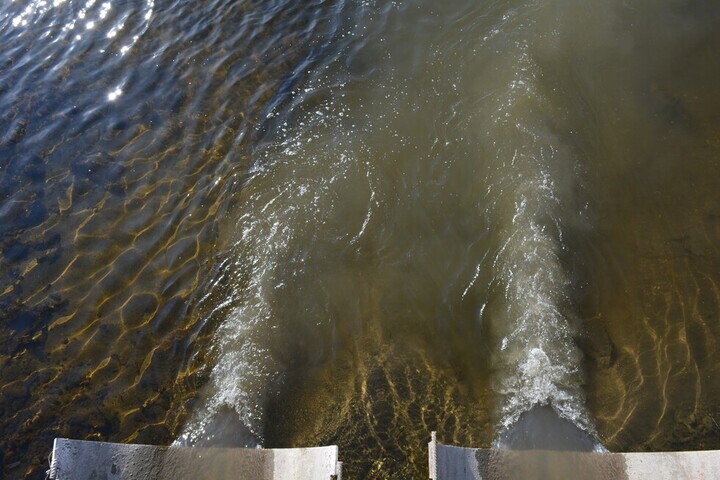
300	223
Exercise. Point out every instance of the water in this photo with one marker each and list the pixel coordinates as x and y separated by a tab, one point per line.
285	224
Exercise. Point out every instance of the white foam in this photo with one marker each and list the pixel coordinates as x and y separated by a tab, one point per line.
290	196
532	193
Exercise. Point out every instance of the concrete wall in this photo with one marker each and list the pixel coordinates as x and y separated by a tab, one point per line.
80	460
77	459
459	463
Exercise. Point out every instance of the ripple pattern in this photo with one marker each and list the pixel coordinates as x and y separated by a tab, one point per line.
128	126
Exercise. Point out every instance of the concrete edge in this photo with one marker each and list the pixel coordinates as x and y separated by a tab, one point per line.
447	462
116	461
432	456
338	470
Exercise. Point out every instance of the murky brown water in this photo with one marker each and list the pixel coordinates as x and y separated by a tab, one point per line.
357	222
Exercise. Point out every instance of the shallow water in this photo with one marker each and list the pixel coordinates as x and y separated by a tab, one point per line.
294	224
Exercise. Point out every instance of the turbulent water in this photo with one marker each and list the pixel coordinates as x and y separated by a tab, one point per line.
289	223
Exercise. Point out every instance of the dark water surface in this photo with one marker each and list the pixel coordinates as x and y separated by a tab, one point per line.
301	223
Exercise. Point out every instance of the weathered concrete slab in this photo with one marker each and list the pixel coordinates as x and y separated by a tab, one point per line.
79	460
676	465
459	463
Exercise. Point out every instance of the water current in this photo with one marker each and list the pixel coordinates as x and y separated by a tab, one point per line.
283	223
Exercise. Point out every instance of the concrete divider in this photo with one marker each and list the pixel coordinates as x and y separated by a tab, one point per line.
458	463
78	459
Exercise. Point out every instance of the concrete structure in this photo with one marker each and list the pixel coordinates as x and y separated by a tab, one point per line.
459	463
78	459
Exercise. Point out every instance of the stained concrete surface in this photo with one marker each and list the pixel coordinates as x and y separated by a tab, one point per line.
459	463
80	460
